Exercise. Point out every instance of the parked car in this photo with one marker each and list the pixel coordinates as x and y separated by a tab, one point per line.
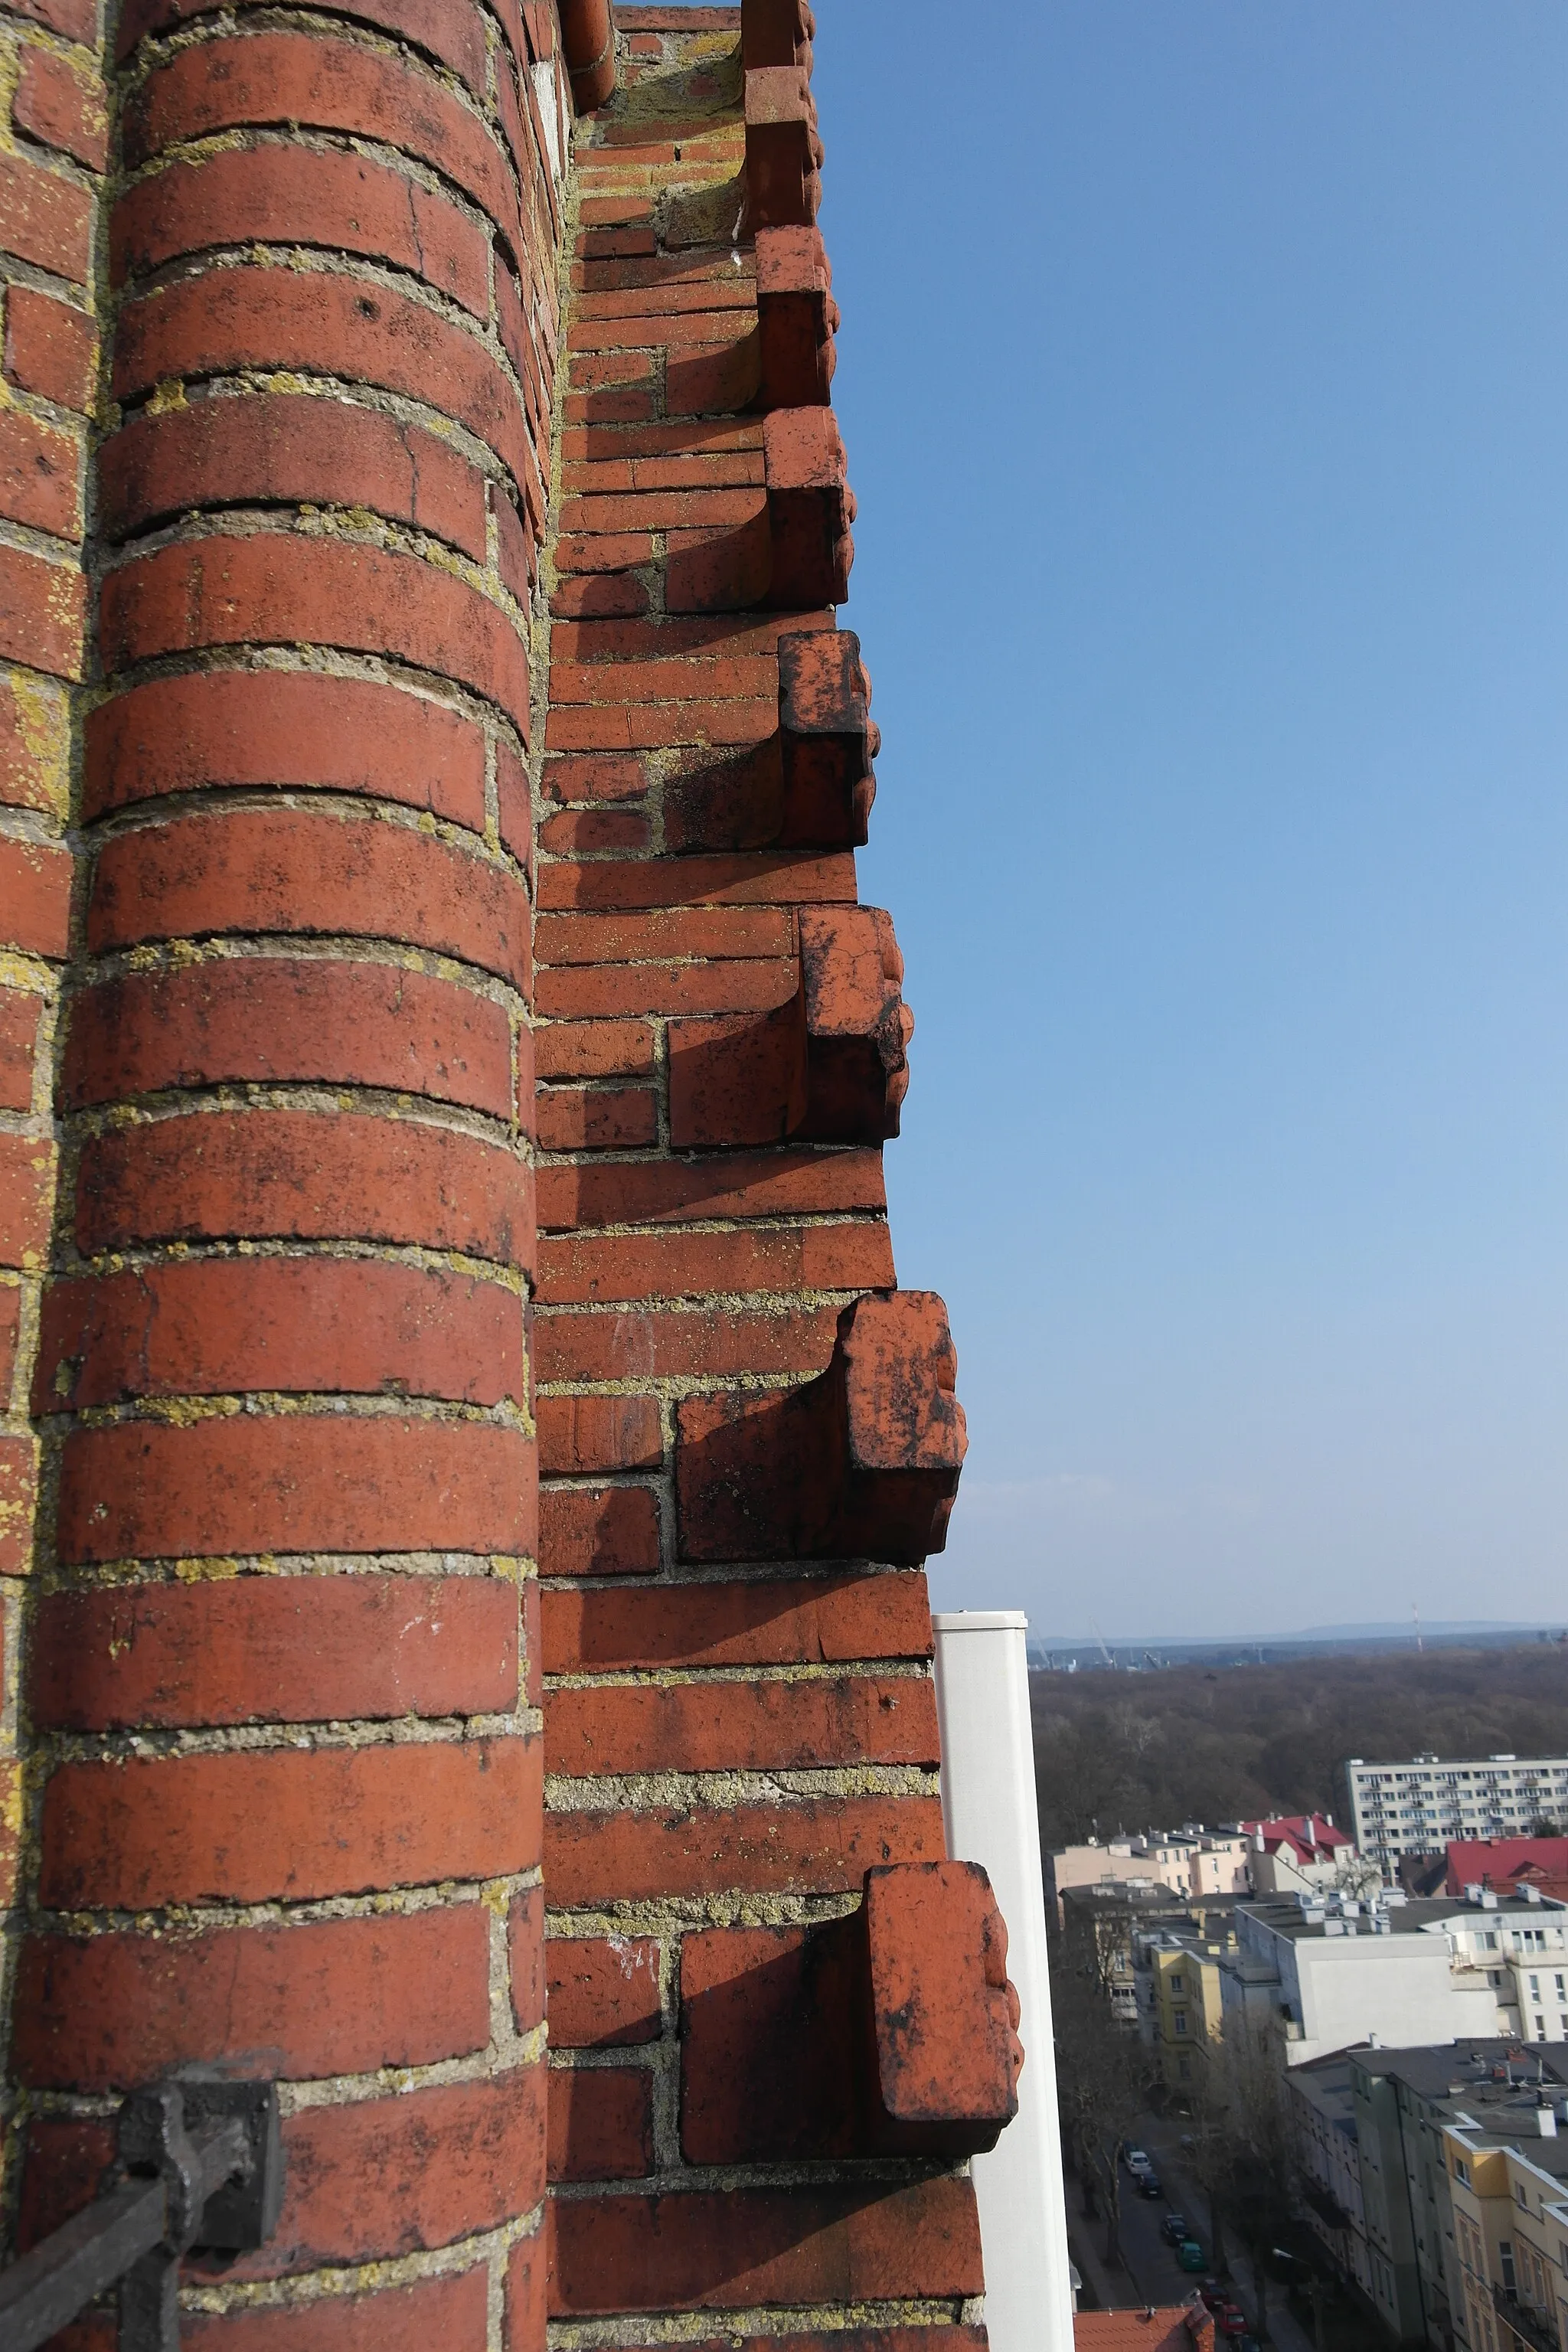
1229	2322
1190	2255
1214	2295
1149	2185
1137	2160
1173	2229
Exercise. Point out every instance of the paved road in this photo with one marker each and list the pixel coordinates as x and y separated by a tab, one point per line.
1152	2263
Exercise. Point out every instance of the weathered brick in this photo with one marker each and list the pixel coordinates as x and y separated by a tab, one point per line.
43	609
38	468
271	1021
276	449
728	1726
295	1176
45	218
526	2297
211	1327
51	347
394	2176
603	1991
329	85
245	728
10	1335
271	1649
35	897
27	1197
18	1493
863	1462
20	1012
736	881
525	1956
289	588
335	1997
35	744
821	1847
295	870
594	1049
736	1185
589	992
668	1343
602	1119
601	2122
300	195
778	1621
739	2248
674	1265
288	1824
584	1433
294	1483
598	1531
281	319
454	34
60	104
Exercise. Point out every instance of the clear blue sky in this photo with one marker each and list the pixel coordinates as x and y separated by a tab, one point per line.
1204	378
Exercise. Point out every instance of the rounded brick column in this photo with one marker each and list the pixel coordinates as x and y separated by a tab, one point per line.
283	1682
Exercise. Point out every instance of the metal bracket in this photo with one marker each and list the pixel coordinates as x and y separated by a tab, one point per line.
200	2166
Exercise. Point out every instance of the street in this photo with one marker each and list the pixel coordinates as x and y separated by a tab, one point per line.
1152	2273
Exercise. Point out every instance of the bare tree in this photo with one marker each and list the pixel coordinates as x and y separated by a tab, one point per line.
1103	2081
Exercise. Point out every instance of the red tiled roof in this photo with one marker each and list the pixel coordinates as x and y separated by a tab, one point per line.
1301	1832
1498	1861
1171	2330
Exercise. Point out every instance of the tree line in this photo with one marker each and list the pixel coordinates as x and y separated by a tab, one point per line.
1118	1751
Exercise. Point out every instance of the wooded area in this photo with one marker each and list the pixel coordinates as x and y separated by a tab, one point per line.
1120	1751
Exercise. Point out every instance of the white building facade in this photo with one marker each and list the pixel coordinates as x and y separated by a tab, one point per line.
1330	1978
1416	1807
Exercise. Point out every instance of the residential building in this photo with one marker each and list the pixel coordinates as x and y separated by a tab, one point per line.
1508	2181
1189	1861
1420	1806
1499	1863
1176	1972
1326	1975
1323	2110
1304	1854
1101	1924
1370	2124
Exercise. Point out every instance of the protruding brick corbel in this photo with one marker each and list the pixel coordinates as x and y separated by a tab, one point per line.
588	44
776	33
794	554
829	1067
810	509
808	786
890	2032
784	147
862	1462
797	318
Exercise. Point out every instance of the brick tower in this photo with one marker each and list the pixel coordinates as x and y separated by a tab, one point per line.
444	1070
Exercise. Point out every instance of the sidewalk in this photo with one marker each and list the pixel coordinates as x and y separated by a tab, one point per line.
1163	2142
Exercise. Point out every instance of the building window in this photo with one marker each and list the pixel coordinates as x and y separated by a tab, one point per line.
1182	2023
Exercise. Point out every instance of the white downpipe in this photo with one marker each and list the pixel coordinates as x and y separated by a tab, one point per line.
990	1814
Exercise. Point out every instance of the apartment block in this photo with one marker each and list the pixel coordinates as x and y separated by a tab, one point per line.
1507	2181
1328	1975
1418	1806
1372	2126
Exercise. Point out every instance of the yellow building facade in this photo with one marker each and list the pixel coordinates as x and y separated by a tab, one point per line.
1510	2234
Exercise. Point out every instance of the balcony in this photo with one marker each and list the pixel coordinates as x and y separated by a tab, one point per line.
1526	2324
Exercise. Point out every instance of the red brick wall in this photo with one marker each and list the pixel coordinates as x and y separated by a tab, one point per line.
739	1713
381	641
283	1810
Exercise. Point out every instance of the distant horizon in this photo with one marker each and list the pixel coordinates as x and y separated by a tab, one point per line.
1395	1629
